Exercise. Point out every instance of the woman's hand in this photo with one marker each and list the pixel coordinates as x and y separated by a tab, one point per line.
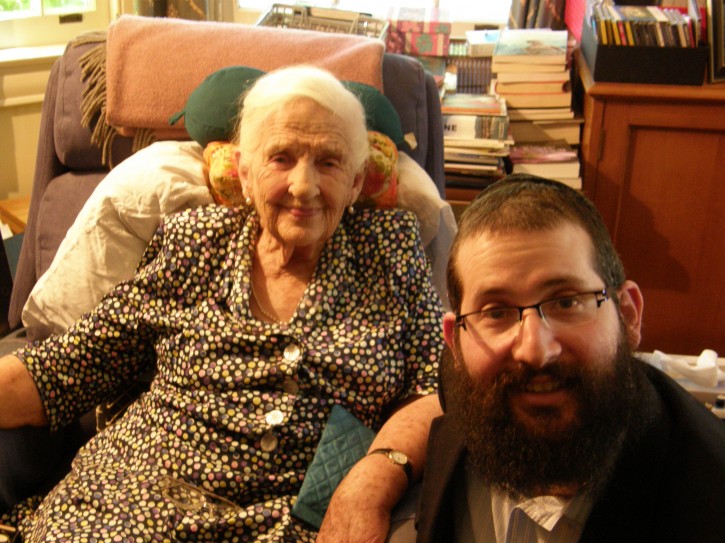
359	511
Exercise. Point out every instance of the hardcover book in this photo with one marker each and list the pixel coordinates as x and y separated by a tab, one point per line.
475	104
540	131
554	160
476	126
532	46
528	77
481	43
539	100
539	114
533	87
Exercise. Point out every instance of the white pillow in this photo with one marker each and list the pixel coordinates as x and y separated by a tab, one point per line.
112	231
418	193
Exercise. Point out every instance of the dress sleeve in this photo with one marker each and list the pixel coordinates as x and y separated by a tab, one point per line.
423	343
103	351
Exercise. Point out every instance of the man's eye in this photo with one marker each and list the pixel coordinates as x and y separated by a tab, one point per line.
496	314
567	303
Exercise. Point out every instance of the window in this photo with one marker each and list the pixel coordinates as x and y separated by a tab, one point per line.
45	22
486	11
15	9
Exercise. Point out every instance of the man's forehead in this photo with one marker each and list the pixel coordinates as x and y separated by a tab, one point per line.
546	257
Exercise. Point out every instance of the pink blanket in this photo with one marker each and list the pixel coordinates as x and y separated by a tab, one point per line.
153	64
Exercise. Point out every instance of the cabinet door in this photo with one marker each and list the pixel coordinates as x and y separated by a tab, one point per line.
660	185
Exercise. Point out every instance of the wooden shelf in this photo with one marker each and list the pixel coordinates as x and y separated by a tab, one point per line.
652	162
14	213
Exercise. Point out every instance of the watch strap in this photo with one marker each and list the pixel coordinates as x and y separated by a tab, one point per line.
398	458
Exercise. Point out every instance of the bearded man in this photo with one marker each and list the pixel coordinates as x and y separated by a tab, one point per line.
554	431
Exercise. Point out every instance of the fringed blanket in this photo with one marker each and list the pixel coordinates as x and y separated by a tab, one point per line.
144	69
153	64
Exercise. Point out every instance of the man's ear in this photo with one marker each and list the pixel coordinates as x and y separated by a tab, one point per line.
631	307
449	330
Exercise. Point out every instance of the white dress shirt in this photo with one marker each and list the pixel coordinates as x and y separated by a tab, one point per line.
485	515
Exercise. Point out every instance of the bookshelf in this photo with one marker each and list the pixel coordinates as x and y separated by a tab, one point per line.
653	159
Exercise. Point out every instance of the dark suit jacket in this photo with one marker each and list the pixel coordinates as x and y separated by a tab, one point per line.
668	485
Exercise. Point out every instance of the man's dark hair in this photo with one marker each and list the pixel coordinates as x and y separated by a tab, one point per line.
528	203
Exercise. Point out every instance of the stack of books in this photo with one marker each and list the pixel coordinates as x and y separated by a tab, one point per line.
531	72
476	140
553	160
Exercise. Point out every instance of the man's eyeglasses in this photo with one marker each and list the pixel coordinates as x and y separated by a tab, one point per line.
558	313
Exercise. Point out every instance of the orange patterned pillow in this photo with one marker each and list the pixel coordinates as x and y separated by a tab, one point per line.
380	189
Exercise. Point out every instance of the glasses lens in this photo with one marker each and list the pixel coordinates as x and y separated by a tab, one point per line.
570	310
494	321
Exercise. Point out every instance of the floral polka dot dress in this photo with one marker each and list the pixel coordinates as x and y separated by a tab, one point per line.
217	449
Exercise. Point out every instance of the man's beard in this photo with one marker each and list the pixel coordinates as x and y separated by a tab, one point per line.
524	461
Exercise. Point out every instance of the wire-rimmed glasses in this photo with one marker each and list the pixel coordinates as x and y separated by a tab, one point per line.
558	313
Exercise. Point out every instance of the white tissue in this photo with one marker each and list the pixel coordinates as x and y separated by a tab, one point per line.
702	370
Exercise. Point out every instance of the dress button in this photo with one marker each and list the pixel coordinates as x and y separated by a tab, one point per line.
269	442
290	386
292	352
274	417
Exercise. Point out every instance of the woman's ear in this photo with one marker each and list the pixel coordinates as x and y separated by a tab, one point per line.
357	184
243	172
631	307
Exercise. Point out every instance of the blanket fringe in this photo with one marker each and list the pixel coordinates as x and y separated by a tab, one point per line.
93	100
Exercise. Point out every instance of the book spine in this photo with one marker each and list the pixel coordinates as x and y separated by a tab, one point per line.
475	126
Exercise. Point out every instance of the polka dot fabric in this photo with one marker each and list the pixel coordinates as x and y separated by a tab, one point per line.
217	449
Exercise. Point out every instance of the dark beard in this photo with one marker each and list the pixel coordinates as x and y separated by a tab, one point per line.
526	462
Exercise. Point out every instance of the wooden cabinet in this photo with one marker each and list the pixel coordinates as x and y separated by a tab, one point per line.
654	164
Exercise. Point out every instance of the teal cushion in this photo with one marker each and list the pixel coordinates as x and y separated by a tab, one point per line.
344	441
211	111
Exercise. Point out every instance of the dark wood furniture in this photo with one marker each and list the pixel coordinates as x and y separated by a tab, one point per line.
654	164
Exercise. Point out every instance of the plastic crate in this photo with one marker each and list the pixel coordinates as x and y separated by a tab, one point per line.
324	20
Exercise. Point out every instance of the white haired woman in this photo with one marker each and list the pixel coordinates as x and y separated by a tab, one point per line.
257	322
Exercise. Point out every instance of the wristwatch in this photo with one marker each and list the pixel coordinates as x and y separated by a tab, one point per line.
399	458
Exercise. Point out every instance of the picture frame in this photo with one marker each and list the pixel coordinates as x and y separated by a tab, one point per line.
716	39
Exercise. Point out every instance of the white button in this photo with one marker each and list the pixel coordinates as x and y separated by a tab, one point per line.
274	417
292	352
290	386
269	442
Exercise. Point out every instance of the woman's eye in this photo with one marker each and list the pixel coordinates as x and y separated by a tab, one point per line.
329	163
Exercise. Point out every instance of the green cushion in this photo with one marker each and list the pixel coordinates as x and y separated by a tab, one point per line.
210	113
380	114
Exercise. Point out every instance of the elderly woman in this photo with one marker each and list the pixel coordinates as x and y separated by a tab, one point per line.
257	321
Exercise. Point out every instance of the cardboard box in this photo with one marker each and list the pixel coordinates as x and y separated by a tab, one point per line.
635	64
418	31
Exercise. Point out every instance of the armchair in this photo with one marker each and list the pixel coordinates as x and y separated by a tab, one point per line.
70	166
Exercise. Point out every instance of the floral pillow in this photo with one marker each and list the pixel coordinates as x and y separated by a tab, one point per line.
380	188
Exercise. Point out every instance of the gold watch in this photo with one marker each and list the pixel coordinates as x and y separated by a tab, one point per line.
399	458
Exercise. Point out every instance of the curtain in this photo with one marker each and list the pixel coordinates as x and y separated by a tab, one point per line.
537	14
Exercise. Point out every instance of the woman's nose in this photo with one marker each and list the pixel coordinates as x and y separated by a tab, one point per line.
304	180
535	344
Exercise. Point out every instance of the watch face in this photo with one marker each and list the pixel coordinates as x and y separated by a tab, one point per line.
398	457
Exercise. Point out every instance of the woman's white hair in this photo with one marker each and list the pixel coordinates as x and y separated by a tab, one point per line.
274	90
